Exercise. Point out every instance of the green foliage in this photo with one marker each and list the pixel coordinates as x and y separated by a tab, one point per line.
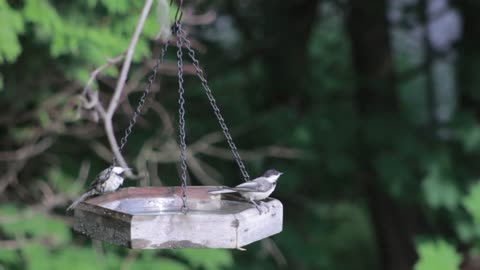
35	225
61	180
49	48
71	258
467	128
471	202
46	237
438	187
440	254
437	255
11	26
76	37
467	231
87	40
9	257
114	6
207	258
149	260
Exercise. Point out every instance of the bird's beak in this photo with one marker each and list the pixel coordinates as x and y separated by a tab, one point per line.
281	173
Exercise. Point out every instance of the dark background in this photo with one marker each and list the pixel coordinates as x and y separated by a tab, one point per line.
371	108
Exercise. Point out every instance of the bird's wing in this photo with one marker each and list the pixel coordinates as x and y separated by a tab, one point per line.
247	186
258	185
101	177
221	191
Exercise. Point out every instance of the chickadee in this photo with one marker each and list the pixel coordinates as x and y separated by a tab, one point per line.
102	184
255	190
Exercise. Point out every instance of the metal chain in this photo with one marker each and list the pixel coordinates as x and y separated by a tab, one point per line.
181	113
141	102
182	35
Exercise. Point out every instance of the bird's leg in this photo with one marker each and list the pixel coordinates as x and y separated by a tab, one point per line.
262	203
257	206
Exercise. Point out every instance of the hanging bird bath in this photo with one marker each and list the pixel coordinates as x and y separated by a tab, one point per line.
151	218
177	217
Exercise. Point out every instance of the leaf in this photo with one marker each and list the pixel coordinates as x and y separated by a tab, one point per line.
467	130
163	15
35	255
467	231
62	181
8	257
439	189
116	6
472	202
22	134
159	263
38	226
8	210
303	136
11	25
71	258
44	118
437	255
1	81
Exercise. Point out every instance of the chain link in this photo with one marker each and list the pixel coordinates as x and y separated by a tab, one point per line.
141	102
181	113
138	110
201	75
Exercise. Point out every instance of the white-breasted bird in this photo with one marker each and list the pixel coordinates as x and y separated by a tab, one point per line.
255	190
106	181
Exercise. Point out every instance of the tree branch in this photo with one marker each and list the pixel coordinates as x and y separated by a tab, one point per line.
128	59
121	83
27	151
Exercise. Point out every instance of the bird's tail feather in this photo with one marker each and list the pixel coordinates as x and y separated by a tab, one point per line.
85	196
221	191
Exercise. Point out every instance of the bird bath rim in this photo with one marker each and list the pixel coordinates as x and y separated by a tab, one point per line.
151	217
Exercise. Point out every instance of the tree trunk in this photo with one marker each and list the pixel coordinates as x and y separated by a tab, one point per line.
368	28
287	29
469	57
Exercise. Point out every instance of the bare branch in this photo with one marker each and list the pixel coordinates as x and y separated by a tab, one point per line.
113	143
202	19
214	173
270	151
164	116
128	60
11	176
121	83
272	248
26	152
197	170
83	172
10	244
153	174
102	151
89	98
94	74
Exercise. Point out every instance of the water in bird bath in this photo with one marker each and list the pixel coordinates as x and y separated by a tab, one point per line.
172	205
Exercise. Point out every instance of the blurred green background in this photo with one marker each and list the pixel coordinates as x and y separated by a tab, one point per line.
371	108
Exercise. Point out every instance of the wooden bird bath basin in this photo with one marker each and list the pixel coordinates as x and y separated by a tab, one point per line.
151	218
